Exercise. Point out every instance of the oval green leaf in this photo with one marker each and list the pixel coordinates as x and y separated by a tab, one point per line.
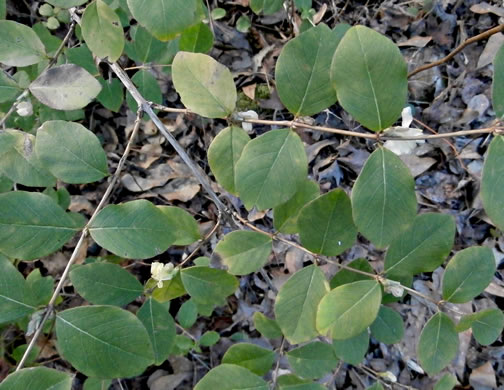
147	86
244	252
423	246
205	86
302	71
231	377
223	154
352	350
438	344
266	326
285	216
296	304
370	77
9	88
20	45
348	310
111	95
345	276
197	39
312	360
20	163
45	379
66	3
65	87
187	230
88	339
16	297
208	285
105	284
486	325
71	152
388	327
32	225
467	274
447	382
252	357
498	83
135	229
326	225
267	7
165	19
279	165
383	198
102	31
160	327
492	182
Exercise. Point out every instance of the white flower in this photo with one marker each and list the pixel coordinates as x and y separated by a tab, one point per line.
250	114
403	147
24	108
161	272
393	287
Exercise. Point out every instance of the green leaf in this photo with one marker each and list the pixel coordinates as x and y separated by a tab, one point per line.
44	378
345	276
89	340
376	386
135	229
105	284
370	77
66	3
65	87
467	274
5	184
438	344
187	230
171	289
20	163
32	225
231	377
486	325
447	382
9	88
383	198
302	71
296	304
423	246
208	285
16	297
3	9
266	326
197	39
205	86
145	48
160	327
97	384
492	182
244	252
147	86
223	154
312	360
20	45
498	83
326	225
41	287
348	310
256	359
102	31
71	152
187	314
82	56
388	326
267	7
292	382
285	216
279	165
352	350
165	19
209	338
243	24
111	95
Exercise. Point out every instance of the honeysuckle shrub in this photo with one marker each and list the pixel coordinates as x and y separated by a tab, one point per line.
44	146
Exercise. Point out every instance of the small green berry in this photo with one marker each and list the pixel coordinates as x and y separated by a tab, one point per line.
52	23
46	10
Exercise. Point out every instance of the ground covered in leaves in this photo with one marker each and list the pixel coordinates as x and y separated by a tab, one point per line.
451	97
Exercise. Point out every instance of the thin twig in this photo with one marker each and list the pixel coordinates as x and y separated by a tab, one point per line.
50	306
458	49
53	60
277	367
196	170
371	136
